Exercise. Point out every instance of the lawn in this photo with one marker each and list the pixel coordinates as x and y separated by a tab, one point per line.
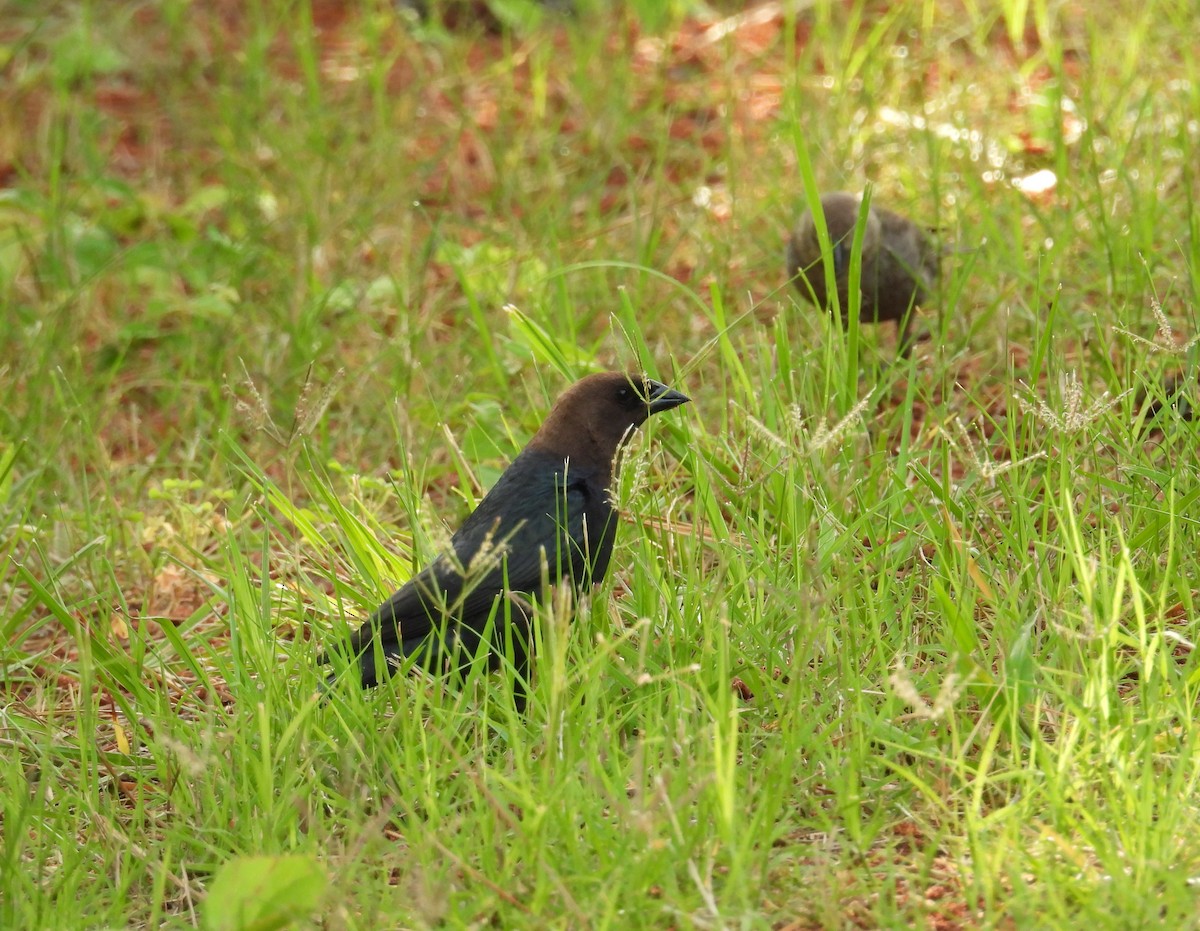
886	643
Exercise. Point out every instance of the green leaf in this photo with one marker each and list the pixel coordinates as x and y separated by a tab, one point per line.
263	893
566	358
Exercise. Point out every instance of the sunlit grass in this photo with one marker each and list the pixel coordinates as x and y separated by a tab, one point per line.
885	645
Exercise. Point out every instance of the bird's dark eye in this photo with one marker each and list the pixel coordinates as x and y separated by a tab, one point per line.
623	395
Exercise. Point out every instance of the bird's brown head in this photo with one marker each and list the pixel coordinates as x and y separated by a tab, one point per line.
594	416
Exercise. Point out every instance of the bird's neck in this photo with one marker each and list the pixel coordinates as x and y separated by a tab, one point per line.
580	458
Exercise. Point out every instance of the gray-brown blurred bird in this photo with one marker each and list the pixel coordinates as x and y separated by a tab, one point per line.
899	262
548	518
1178	396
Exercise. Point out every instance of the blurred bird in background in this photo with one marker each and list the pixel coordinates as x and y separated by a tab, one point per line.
900	263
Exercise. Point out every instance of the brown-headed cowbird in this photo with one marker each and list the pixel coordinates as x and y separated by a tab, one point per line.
899	262
548	518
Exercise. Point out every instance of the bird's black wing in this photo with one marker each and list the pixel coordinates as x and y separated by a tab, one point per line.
533	510
540	510
571	538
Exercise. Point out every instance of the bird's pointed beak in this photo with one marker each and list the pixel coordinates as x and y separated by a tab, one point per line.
661	398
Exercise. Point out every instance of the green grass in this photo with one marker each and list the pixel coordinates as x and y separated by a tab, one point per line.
285	288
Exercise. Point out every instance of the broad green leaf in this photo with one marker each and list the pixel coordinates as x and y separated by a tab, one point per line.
263	893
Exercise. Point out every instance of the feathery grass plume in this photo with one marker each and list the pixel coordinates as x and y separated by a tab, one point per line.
1164	337
816	440
952	687
762	430
824	436
491	551
985	466
255	410
306	415
310	411
635	470
1073	415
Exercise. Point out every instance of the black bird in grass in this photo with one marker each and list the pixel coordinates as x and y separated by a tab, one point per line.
1178	395
899	262
548	518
